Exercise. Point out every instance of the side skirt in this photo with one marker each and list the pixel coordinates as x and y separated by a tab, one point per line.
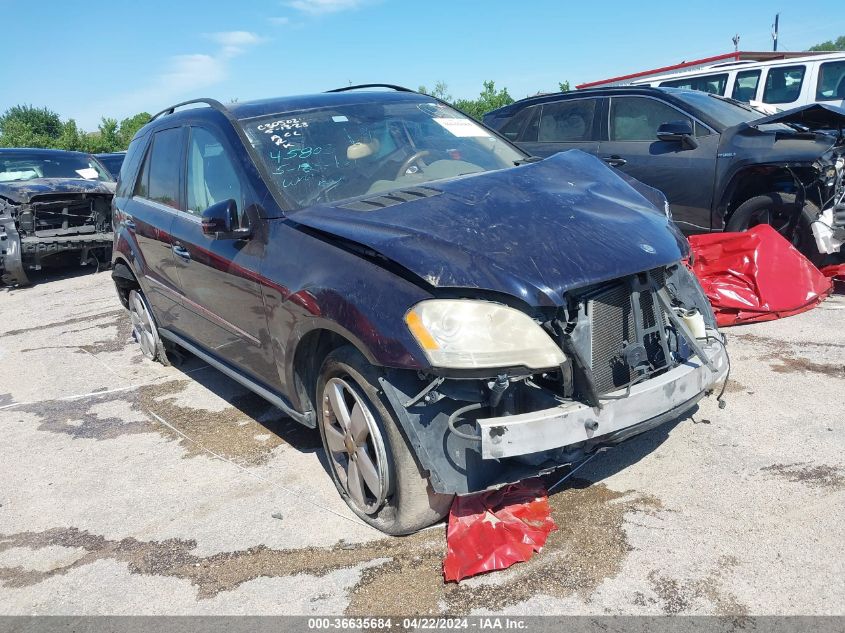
308	418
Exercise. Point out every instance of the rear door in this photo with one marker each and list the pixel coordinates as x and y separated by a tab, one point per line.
149	214
685	176
558	126
219	278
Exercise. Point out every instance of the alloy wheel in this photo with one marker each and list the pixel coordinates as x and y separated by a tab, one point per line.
355	445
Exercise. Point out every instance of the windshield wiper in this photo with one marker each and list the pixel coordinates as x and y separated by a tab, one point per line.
526	161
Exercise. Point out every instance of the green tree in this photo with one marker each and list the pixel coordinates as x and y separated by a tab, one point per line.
564	86
26	126
70	138
129	126
489	99
830	45
440	91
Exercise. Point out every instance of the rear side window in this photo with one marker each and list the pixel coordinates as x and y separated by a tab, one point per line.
567	121
159	179
831	84
513	127
714	84
745	85
637	118
783	85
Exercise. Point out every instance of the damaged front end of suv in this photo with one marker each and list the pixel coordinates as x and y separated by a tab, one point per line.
577	327
53	205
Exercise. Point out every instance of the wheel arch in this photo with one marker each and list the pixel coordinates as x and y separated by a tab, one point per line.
756	180
310	349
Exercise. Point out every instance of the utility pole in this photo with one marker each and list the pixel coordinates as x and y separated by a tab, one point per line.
735	40
775	33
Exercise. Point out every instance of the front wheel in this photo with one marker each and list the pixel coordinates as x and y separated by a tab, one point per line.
776	210
369	458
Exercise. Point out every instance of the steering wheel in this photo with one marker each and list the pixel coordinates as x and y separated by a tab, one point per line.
406	164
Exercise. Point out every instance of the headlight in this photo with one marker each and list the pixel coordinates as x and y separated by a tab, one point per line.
466	334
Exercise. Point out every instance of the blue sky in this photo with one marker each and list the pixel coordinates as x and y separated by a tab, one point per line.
95	58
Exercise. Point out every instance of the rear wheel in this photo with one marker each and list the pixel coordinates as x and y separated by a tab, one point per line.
777	210
370	461
144	329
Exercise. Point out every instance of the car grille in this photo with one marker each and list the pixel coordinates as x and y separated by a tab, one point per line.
614	325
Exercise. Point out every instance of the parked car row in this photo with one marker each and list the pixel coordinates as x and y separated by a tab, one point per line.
454	308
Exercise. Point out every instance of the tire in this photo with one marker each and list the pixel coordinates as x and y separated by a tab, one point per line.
775	209
144	328
401	501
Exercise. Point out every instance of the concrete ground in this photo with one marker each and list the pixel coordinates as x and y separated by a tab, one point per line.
131	488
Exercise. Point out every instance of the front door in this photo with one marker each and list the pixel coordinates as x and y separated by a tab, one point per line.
684	175
219	278
149	214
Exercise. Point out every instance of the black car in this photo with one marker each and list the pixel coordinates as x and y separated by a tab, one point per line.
54	205
450	314
721	164
112	161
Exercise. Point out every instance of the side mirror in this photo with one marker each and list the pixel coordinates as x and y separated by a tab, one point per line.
220	221
677	131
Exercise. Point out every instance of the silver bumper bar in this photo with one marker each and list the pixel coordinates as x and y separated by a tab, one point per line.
663	397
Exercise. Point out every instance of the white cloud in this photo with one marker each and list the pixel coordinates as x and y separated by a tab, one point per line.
234	42
182	77
319	7
279	21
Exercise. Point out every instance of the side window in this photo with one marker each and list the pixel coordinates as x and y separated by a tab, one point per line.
129	168
831	84
567	121
714	84
159	179
745	85
211	175
637	118
513	127
142	187
783	85
701	130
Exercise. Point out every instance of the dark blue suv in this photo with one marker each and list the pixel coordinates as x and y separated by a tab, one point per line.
452	315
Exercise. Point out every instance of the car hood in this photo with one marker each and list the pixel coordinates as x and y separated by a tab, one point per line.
23	191
533	232
815	116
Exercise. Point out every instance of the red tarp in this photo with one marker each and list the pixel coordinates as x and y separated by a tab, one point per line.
756	275
493	530
834	271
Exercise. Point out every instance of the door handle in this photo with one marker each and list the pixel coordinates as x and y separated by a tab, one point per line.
181	252
615	161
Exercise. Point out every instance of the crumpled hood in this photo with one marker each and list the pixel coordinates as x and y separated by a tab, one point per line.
533	231
815	116
23	191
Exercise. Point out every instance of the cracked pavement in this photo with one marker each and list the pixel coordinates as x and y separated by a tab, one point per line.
131	488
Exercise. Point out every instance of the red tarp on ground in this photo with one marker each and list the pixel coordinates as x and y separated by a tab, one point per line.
756	275
835	271
493	530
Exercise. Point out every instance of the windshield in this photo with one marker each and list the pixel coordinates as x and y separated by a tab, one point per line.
334	153
725	112
19	166
113	163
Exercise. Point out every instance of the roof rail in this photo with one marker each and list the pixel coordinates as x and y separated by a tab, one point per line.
209	102
359	86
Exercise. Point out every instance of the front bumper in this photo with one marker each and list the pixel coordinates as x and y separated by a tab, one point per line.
650	403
